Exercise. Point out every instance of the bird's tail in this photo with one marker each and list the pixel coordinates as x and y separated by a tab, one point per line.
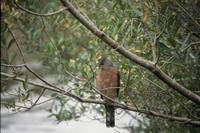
110	115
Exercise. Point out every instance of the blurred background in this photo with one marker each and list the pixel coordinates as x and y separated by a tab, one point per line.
56	48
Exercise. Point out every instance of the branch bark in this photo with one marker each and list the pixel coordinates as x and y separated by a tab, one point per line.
184	120
133	57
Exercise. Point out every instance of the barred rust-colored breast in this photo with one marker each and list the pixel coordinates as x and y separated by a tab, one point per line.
107	82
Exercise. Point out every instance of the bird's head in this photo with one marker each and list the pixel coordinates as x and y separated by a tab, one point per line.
105	62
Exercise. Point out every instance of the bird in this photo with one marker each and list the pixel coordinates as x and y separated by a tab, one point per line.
108	83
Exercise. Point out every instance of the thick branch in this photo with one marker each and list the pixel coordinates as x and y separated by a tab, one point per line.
122	106
133	57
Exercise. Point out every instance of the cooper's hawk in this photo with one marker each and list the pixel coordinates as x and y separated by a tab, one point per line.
108	83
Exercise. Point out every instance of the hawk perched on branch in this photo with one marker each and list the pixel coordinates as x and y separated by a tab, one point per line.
108	83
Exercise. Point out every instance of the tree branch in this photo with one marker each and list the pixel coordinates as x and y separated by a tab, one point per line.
35	103
122	106
17	43
133	57
39	14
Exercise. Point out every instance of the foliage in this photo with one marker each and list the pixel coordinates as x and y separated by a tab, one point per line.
63	45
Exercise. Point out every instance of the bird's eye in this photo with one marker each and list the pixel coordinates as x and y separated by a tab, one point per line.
101	64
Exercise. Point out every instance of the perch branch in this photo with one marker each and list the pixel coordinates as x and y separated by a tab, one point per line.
184	120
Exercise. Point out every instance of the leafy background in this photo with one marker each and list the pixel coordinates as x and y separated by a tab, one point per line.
64	46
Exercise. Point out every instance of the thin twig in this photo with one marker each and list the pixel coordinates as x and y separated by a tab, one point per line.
8	65
61	94
40	14
74	76
190	45
35	103
50	39
20	50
